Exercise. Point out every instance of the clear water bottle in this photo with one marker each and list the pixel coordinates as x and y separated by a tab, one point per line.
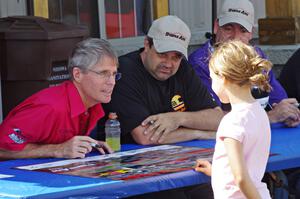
113	132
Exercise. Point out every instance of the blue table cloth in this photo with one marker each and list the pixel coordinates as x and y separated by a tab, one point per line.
285	148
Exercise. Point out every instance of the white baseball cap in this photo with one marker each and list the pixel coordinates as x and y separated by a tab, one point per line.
169	33
237	11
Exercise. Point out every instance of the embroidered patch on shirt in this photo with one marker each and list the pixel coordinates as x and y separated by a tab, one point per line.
177	103
16	136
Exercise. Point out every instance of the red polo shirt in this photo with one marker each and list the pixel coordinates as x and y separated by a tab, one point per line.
51	116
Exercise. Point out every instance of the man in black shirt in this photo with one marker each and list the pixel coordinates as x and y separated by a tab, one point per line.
160	99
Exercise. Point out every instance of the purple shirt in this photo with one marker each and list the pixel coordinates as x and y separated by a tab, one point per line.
199	60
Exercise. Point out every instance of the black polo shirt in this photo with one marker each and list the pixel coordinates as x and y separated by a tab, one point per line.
138	95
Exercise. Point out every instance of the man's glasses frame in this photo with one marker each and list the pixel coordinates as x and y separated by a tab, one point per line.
106	75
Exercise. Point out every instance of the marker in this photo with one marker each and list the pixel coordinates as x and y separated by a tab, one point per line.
96	145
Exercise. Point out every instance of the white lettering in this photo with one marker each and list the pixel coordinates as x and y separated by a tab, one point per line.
59	68
59	77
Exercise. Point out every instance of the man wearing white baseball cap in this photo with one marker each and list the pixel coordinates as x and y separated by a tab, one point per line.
235	22
160	99
170	33
237	11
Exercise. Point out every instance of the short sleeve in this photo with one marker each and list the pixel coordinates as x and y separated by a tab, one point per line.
28	123
231	127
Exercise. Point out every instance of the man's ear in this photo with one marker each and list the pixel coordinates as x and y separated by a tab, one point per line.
146	44
77	74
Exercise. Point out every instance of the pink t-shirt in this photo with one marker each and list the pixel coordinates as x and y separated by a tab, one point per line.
249	124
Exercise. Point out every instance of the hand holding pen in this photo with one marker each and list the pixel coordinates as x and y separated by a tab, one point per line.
79	146
102	147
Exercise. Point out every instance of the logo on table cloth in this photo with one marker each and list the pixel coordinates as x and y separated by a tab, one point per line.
177	103
16	136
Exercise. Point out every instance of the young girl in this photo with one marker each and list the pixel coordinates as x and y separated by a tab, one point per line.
243	137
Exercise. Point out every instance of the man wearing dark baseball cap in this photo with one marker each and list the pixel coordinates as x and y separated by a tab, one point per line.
235	22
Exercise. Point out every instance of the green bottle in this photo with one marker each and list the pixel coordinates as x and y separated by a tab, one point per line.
113	132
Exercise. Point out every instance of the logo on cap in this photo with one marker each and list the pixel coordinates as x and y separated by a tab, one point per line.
238	11
169	33
175	35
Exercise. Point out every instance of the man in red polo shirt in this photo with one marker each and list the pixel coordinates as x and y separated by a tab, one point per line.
56	121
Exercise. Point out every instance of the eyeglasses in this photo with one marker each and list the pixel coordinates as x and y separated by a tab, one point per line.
106	75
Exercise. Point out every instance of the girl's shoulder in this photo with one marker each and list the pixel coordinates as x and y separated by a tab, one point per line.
236	118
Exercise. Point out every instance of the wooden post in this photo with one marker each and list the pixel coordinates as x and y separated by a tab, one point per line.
280	8
281	26
41	8
160	8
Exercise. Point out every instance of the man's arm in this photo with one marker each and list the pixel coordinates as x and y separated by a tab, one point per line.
185	134
31	151
286	111
283	107
179	135
76	147
178	126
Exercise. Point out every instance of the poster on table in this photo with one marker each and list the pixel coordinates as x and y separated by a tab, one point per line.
129	165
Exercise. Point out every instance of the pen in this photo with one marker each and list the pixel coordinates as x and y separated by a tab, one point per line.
96	145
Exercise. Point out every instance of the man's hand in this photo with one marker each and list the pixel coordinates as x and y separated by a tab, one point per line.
78	147
161	125
203	166
286	111
103	147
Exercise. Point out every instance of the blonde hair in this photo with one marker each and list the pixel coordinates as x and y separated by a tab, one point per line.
240	64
